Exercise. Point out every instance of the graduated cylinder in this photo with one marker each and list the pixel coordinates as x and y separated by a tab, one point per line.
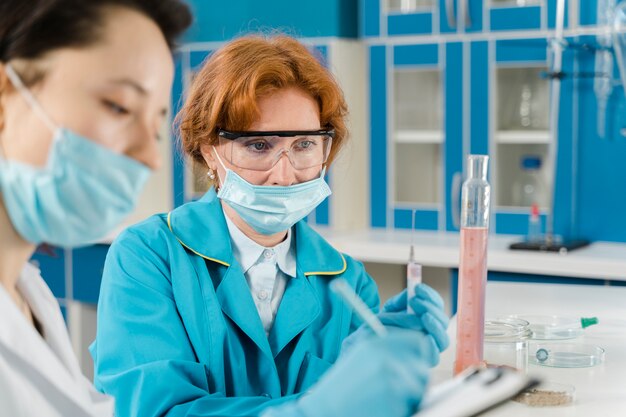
475	199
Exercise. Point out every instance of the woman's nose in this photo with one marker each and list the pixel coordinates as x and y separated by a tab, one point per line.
145	149
283	172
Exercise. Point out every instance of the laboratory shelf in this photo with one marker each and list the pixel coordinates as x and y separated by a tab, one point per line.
419	136
522	137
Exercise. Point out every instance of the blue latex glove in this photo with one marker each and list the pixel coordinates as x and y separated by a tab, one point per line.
383	377
428	317
427	304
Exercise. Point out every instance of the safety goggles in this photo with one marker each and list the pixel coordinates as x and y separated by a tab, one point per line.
260	151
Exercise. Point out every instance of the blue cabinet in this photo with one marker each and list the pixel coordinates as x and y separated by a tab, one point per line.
494	85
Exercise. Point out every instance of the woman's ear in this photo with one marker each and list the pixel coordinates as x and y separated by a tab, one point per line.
208	154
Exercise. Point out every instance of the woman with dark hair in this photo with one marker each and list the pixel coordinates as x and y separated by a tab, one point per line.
84	88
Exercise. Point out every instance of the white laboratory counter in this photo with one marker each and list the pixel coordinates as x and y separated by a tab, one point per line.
599	390
600	260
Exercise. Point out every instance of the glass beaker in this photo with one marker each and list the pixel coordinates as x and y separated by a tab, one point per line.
506	343
475	198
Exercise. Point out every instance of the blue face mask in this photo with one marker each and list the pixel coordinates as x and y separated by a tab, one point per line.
271	209
84	191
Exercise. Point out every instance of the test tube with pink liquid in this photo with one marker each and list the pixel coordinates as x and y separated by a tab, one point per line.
475	197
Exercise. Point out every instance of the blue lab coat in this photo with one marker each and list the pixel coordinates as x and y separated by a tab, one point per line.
178	331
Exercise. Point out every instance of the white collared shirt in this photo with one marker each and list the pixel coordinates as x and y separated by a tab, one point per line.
267	270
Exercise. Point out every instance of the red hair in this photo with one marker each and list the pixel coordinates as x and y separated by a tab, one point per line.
225	91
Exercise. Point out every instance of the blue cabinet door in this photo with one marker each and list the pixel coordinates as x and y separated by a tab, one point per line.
445	61
456	113
521	53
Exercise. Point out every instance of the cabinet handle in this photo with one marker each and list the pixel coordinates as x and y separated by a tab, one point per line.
455	199
468	17
450	13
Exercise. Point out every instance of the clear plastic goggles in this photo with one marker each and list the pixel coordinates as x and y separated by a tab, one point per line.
260	151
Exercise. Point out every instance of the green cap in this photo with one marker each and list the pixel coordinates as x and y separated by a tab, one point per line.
588	321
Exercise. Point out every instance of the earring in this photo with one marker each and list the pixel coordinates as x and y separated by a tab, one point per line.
211	174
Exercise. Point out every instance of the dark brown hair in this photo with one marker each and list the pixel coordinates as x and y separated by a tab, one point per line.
29	29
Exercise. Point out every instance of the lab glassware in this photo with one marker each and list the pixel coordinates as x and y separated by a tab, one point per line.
413	270
534	225
506	343
475	200
566	355
550	327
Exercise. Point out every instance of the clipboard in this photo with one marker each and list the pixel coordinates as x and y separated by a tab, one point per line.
474	391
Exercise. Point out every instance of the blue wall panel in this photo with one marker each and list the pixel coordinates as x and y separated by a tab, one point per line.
516	18
515	223
410	24
178	164
601	198
521	50
87	267
479	98
378	132
416	55
588	11
217	20
322	212
424	219
52	266
453	146
563	185
369	18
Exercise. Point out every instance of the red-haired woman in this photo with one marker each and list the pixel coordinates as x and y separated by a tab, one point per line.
222	306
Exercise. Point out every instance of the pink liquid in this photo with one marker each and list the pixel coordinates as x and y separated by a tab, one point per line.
471	302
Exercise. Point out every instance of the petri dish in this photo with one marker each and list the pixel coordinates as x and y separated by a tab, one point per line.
547	394
546	327
565	355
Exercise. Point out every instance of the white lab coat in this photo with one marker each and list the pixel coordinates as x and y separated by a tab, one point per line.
40	377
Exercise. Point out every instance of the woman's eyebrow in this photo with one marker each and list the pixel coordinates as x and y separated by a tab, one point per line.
131	83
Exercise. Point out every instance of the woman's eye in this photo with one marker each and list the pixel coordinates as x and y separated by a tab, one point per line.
115	108
257	146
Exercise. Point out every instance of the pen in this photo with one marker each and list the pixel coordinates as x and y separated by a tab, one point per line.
340	287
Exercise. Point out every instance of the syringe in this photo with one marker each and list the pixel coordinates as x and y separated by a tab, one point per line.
413	270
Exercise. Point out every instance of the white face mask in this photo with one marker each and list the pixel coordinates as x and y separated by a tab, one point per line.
271	209
84	191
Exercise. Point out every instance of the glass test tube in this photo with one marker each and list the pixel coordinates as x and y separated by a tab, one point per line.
475	199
